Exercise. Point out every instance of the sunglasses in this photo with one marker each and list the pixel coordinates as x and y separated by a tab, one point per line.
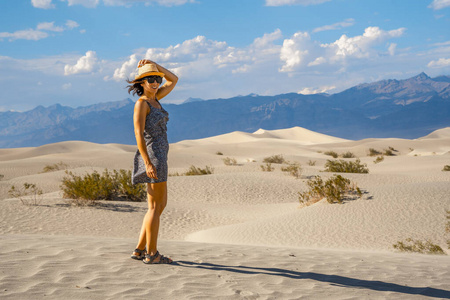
151	79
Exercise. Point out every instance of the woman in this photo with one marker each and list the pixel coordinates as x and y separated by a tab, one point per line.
150	161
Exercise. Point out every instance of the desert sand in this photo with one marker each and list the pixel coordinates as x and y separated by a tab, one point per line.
239	233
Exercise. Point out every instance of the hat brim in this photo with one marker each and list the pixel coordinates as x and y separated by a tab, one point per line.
152	73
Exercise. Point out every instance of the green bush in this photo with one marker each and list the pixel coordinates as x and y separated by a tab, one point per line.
267	168
378	159
373	152
294	169
342	166
29	194
417	246
55	167
114	185
274	159
193	170
348	154
334	189
446	168
230	161
331	153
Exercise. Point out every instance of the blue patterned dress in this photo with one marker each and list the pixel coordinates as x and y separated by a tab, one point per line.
155	136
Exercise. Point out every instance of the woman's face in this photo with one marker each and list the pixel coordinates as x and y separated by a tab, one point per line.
150	84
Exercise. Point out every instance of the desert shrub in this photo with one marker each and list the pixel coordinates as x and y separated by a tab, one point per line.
193	170
418	246
294	169
267	168
274	159
2	176
331	153
373	152
114	185
219	153
388	152
230	161
55	167
348	154
378	159
334	189
29	194
342	166
446	168
311	163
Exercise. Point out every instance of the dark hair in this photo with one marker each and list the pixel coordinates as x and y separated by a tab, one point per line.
135	87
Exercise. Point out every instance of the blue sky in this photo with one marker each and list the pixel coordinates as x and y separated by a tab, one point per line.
79	52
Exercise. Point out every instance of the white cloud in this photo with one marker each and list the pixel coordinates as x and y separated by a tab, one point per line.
323	89
296	51
70	24
45	4
439	4
392	48
66	86
300	51
86	3
38	33
147	2
335	26
86	64
49	26
127	3
361	46
440	63
127	70
28	34
294	2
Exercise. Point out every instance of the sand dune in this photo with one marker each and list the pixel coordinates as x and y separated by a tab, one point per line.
239	233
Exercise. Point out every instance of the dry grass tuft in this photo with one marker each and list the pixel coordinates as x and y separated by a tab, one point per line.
29	194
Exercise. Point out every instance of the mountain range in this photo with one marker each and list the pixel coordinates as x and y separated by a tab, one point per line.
407	108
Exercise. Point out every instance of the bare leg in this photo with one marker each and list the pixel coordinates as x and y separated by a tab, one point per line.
157	200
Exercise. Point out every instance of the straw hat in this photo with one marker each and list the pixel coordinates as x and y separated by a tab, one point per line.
148	70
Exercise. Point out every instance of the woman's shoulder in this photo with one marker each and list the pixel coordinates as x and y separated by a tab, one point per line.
141	104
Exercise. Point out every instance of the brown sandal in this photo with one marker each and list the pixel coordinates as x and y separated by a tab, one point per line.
151	259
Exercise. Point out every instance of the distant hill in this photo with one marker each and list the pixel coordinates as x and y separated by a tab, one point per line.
408	108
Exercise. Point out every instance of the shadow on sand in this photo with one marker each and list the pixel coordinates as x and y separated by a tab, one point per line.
337	280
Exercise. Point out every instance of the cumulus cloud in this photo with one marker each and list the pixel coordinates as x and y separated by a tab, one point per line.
296	51
439	4
294	2
38	33
45	4
440	63
127	70
335	26
301	51
86	64
200	57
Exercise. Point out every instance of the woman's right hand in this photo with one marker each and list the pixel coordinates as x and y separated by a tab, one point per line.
144	62
151	170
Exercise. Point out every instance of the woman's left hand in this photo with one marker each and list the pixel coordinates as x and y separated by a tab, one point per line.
144	62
